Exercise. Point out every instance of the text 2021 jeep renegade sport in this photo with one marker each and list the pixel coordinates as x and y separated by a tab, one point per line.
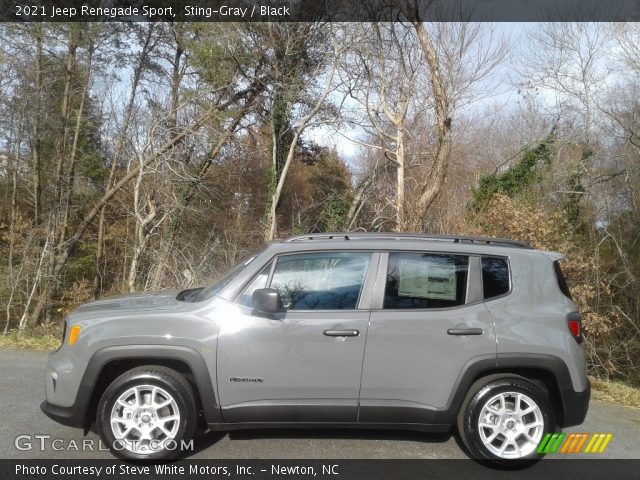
335	330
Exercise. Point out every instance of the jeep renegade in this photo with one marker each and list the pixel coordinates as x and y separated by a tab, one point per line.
335	330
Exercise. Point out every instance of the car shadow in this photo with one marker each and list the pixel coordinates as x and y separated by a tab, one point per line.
205	440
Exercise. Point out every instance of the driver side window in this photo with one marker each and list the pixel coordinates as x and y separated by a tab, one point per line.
320	281
260	281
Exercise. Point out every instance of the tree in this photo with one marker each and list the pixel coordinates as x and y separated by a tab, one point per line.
147	36
567	59
385	80
235	86
439	69
299	56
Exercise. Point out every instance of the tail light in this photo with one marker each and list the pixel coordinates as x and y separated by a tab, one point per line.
574	322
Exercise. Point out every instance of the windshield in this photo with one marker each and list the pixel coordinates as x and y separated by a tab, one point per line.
214	289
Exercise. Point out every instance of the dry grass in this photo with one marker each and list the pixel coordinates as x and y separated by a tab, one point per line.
610	391
42	337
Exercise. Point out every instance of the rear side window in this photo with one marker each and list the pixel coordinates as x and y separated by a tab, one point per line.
562	282
425	280
495	276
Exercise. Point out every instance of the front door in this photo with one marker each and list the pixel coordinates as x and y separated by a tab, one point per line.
428	323
305	363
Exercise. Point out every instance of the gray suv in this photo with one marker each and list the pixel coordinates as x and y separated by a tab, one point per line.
335	330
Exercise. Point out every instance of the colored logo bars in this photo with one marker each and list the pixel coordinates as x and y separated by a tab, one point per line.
574	443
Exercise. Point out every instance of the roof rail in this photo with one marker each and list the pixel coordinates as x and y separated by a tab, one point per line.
502	242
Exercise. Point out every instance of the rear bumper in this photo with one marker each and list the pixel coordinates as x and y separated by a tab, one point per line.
575	405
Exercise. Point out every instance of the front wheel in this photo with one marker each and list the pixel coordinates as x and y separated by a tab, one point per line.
147	413
504	420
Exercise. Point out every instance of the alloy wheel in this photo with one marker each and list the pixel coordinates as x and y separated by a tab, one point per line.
511	425
145	419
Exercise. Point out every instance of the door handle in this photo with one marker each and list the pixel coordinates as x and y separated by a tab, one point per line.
465	331
341	333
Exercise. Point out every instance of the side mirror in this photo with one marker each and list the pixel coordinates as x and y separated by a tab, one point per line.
266	300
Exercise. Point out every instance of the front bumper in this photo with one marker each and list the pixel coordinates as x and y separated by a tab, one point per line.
69	416
61	404
575	405
67	391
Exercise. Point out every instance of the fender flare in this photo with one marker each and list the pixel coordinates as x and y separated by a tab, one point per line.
573	404
189	356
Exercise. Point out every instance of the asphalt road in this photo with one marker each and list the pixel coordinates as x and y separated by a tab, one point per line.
22	390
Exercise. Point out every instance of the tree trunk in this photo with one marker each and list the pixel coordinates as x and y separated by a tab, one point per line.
13	168
400	222
55	222
142	61
272	219
275	198
36	281
35	128
176	77
143	220
359	197
68	187
429	188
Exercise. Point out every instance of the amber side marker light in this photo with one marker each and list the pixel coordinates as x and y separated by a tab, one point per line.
73	334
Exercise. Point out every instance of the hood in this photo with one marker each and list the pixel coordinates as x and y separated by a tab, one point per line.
165	300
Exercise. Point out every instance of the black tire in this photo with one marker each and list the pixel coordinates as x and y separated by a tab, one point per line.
479	394
171	382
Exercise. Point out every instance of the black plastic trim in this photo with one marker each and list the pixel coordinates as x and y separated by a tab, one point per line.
399	412
76	415
421	427
503	242
575	406
292	411
73	416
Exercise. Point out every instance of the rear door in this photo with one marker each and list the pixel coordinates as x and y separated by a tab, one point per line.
428	320
305	363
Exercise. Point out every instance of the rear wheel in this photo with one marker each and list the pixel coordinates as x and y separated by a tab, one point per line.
504	419
147	413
